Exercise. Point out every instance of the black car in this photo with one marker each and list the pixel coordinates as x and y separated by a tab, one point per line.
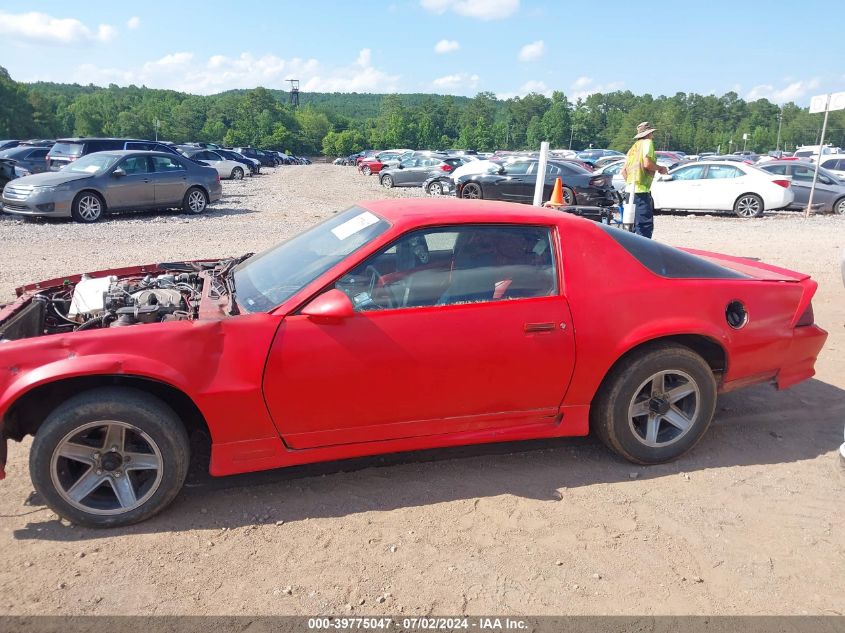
9	143
254	168
414	171
67	150
257	154
515	181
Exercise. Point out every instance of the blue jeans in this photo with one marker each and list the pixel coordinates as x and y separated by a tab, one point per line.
644	219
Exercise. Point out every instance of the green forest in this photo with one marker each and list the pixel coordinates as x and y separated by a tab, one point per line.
338	124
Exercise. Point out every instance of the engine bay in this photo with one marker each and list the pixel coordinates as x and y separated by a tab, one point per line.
106	302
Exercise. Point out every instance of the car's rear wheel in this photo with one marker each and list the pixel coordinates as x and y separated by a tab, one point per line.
237	173
471	191
839	207
749	205
387	181
366	170
435	188
656	405
109	457
87	207
195	201
568	196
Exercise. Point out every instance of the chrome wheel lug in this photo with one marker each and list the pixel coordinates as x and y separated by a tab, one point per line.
99	472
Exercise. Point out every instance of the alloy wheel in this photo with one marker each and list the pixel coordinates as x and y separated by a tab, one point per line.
196	201
471	191
664	408
748	207
90	208
106	467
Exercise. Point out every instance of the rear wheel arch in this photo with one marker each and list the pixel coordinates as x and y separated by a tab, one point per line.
31	408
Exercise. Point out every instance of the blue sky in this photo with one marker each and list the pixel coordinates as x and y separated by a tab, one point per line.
509	47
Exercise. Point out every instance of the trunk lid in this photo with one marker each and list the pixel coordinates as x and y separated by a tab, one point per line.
749	266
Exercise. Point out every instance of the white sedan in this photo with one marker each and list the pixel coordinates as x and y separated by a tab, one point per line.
225	167
721	186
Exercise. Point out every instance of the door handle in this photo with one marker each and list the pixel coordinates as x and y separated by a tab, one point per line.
539	327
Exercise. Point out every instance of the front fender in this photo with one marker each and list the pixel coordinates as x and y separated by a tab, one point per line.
74	366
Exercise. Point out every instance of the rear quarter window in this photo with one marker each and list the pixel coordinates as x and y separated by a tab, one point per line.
668	261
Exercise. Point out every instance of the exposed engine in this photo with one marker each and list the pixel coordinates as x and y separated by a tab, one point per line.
103	302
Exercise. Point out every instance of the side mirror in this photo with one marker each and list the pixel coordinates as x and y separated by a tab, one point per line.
119	172
331	306
400	166
500	170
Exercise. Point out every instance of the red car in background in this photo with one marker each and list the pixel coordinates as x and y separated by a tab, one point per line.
375	164
395	325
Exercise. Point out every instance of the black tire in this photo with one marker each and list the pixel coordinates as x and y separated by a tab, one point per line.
749	205
435	188
150	422
387	181
472	191
613	414
87	207
237	174
838	207
366	170
569	197
194	201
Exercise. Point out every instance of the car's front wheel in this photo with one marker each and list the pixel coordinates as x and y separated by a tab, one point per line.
656	405
109	457
839	207
366	170
87	207
237	173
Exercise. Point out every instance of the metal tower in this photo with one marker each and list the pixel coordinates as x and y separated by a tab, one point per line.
294	91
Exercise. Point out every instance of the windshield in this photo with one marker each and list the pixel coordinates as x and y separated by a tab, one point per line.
270	278
67	149
92	164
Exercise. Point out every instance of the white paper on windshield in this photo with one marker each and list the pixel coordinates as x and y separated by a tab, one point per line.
358	223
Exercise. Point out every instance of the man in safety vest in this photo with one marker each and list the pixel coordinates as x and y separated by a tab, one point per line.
639	170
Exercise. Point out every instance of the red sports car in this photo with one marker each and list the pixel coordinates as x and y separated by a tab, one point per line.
374	164
395	325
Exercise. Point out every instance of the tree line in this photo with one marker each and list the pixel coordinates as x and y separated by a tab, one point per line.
338	124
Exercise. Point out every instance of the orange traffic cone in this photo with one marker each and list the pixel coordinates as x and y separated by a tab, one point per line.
557	194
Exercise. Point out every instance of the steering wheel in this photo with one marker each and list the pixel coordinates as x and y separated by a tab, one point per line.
377	281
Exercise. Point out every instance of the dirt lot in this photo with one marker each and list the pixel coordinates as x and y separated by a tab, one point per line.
752	522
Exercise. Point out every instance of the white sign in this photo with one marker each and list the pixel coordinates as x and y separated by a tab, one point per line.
745	137
837	101
818	104
358	223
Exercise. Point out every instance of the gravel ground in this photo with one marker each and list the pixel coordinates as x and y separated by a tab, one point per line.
751	522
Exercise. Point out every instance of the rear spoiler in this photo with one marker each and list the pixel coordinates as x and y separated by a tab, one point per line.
750	267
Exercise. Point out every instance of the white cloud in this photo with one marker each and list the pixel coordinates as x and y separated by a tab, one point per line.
583	87
133	23
446	46
455	81
791	92
480	9
186	72
532	51
532	85
41	27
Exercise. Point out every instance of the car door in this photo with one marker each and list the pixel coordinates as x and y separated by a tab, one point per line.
681	191
802	181
455	329
135	189
36	160
170	178
516	181
722	185
403	172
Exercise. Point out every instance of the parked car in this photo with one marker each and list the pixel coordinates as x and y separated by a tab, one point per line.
252	164
9	143
67	150
228	169
835	164
515	182
414	171
811	152
32	158
251	152
607	160
593	155
101	182
472	302
381	160
9	170
721	186
830	191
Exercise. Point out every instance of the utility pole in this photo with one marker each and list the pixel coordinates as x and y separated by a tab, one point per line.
571	132
156	124
780	124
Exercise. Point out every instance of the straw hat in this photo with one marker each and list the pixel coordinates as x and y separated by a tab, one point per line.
644	129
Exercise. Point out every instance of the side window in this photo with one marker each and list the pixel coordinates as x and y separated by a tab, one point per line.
723	171
780	170
519	168
552	170
214	156
164	163
37	154
803	174
135	165
448	266
696	172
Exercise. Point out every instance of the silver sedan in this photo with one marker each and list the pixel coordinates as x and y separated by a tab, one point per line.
91	186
